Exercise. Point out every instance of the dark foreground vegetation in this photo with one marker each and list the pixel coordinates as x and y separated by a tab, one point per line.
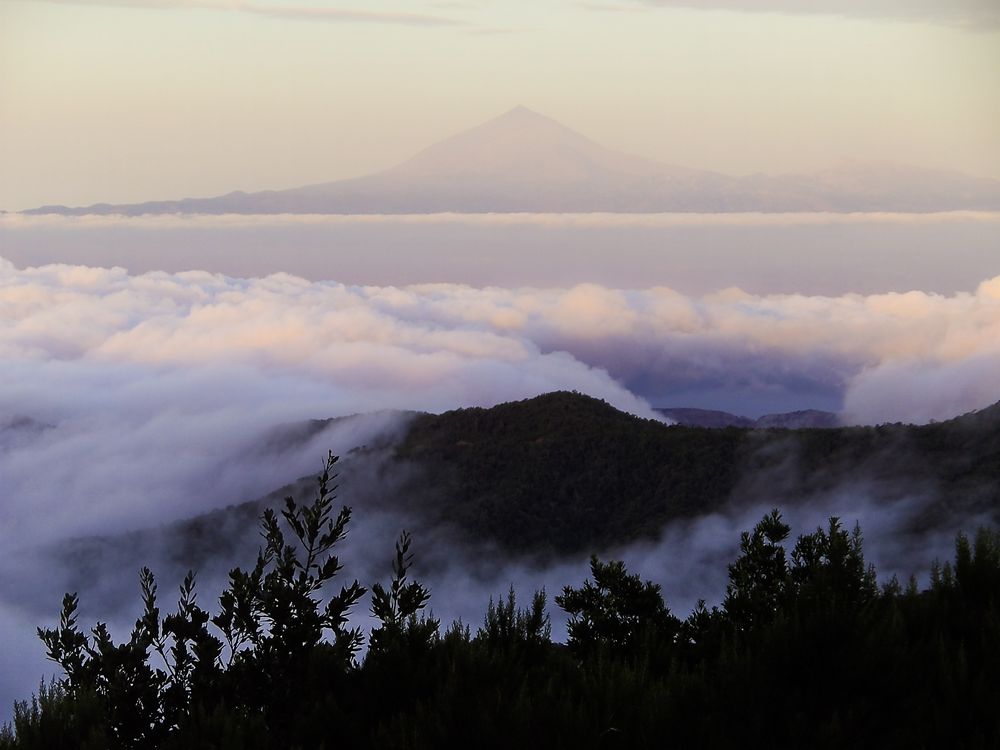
807	650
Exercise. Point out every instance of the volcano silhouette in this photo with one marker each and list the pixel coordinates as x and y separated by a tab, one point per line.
525	162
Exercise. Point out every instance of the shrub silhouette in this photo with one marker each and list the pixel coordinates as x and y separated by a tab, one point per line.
616	612
804	651
272	620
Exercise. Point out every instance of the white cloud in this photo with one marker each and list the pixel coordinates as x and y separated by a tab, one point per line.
316	12
970	14
155	380
442	345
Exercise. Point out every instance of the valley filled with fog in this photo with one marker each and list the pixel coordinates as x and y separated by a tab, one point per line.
132	398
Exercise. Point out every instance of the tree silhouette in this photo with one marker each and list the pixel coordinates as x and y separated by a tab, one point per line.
758	577
615	612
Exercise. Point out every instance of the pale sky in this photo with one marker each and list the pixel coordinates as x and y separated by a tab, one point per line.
130	100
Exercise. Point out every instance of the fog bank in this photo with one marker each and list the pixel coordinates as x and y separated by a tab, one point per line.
130	400
828	254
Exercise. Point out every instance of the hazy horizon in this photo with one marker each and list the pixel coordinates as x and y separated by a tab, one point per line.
123	101
799	253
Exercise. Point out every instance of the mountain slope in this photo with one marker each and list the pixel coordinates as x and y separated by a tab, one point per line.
525	162
568	474
711	418
565	473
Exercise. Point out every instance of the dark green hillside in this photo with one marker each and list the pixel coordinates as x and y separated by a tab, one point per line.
565	472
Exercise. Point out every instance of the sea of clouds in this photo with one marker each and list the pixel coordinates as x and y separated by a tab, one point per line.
132	399
152	376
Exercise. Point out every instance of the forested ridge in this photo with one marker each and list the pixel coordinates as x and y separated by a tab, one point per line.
566	473
807	649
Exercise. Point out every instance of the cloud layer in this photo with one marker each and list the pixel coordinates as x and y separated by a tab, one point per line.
966	13
440	345
114	381
129	380
827	254
314	12
591	220
132	400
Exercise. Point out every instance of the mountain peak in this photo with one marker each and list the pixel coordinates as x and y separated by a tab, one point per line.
522	116
524	161
521	111
524	149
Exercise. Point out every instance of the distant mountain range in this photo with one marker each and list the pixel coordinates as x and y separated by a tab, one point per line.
17	430
805	418
525	162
